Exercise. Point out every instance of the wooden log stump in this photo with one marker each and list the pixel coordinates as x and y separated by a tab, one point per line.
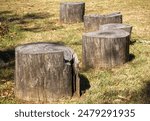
72	12
93	21
115	26
45	72
105	49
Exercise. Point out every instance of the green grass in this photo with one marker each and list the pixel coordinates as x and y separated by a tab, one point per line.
37	21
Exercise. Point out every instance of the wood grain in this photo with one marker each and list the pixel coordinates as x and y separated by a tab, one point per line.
105	48
45	72
92	22
72	12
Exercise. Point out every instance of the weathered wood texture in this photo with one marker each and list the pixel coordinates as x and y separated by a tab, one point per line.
72	12
115	26
93	21
105	49
45	72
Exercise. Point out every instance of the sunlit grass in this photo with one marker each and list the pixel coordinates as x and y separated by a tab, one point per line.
129	83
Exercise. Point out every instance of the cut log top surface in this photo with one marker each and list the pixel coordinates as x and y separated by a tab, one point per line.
72	3
103	16
108	34
114	26
40	48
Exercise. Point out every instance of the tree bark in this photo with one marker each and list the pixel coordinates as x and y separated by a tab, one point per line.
72	12
45	72
105	49
93	21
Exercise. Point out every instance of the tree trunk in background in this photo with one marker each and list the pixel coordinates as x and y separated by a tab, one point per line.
45	72
92	22
105	48
72	12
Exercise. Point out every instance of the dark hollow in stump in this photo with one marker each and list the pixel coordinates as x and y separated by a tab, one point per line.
46	72
105	49
115	26
93	21
72	12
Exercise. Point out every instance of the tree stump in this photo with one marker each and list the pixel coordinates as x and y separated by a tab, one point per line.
93	21
105	49
72	12
115	26
45	72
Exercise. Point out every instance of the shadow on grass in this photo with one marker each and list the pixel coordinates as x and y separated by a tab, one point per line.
146	91
140	96
131	57
39	15
7	65
39	28
144	94
28	22
3	15
7	56
84	83
79	42
11	17
132	42
5	12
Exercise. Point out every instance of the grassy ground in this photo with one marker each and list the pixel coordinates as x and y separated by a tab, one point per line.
38	20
